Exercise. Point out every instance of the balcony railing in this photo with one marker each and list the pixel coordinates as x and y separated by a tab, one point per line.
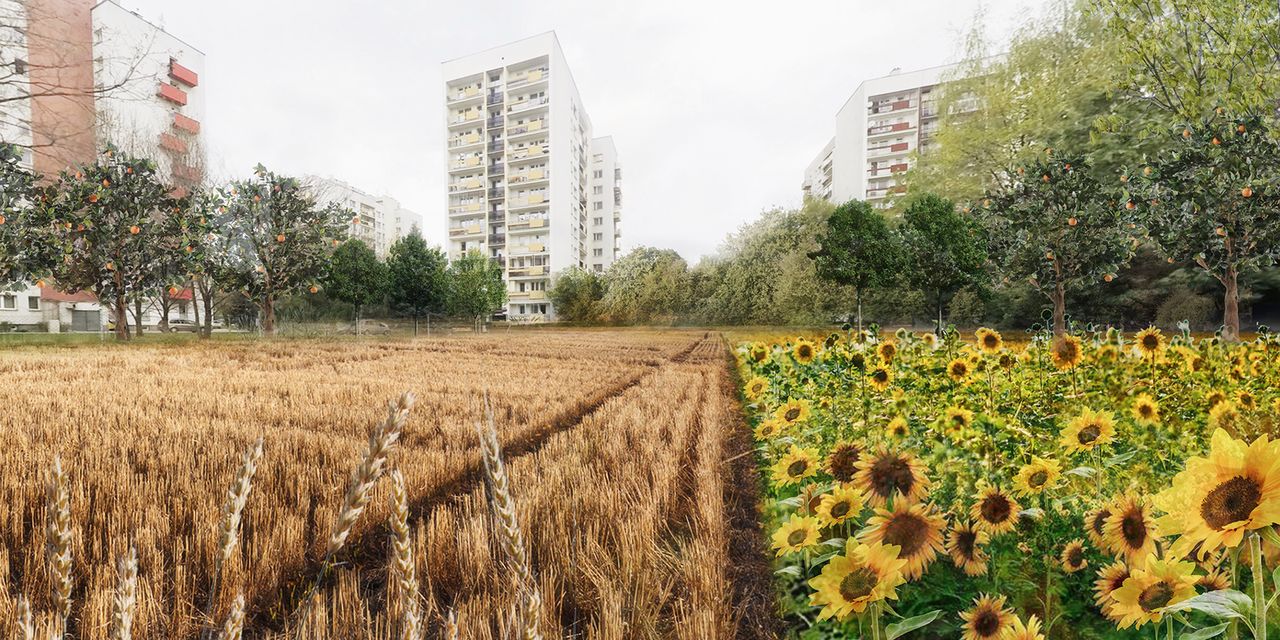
190	125
888	128
497	193
495	146
172	93
527	77
497	169
182	74
521	153
524	105
466	185
528	127
889	107
495	240
464	93
494	98
494	123
470	116
527	176
464	141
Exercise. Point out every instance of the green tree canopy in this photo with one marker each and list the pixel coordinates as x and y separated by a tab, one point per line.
944	250
1052	224
355	276
858	249
647	286
476	289
25	250
418	283
1214	200
576	294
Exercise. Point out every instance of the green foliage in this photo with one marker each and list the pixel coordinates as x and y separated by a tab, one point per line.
475	286
275	240
647	286
355	275
23	252
1188	57
967	309
858	249
944	250
1052	224
576	294
418	283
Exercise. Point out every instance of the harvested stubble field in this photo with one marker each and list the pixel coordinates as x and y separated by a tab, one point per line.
623	451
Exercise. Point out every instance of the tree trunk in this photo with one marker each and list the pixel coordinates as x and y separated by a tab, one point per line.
207	293
357	321
938	331
137	317
1231	307
166	305
121	311
269	315
195	305
858	295
1059	311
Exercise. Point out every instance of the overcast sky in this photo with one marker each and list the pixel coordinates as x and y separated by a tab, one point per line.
716	107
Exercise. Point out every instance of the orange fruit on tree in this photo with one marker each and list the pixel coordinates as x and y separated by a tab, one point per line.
1124	178
1220	231
1216	141
135	229
173	291
314	288
1072	221
106	182
93	197
111	266
280	237
1186	133
1130	205
1246	192
1044	178
1108	277
1146	171
1240	128
2	219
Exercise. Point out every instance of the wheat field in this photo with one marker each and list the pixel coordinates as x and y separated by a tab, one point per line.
622	450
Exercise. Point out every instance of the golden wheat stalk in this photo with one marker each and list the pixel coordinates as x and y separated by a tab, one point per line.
402	561
233	627
509	533
126	597
58	541
451	626
26	622
232	512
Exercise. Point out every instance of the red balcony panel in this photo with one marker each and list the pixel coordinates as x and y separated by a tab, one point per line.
901	126
172	93
190	125
901	104
170	142
901	146
898	168
188	174
183	74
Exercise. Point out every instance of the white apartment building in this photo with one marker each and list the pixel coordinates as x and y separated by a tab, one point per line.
15	115
378	220
518	155
879	131
155	104
604	207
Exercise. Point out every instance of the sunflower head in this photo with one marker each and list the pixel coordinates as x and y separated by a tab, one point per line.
880	377
1037	476
1110	578
1095	525
1150	342
1019	631
995	511
964	544
1073	556
930	340
1088	430
793	412
842	462
891	475
887	351
1148	591
840	505
758	352
768	429
897	428
796	466
865	574
756	387
956	420
1225	415
987	620
1214	580
959	370
1066	352
804	351
1145	410
796	534
916	529
989	340
1246	400
1130	529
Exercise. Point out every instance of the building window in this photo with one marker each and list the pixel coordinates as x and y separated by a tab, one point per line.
597	253
597	174
597	237
599	205
599	267
598	221
33	303
9	302
598	189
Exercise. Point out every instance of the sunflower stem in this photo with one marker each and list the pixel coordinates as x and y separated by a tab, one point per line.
1259	587
875	621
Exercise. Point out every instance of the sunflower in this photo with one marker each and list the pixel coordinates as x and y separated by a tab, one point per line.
1147	592
880	377
959	370
995	511
866	573
1007	361
1095	525
1066	352
1150	342
756	387
1236	489
803	351
1145	410
1246	400
1072	556
956	420
1110	578
916	529
792	412
841	504
1019	631
930	340
1088	430
889	474
964	543
1107	353
1130	529
1214	398
842	462
1224	415
987	619
758	352
767	429
796	534
797	465
887	351
989	340
897	427
1037	476
1215	580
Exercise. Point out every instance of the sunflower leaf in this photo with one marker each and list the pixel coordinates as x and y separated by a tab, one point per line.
1269	534
835	543
1119	458
1035	513
1083	472
789	570
897	629
1275	579
1226	604
1207	632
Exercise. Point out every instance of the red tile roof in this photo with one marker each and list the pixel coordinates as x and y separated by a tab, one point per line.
54	295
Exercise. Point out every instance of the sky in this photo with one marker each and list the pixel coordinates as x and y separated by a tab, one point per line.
716	107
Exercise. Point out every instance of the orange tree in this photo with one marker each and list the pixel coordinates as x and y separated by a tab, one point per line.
1051	223
24	252
118	229
276	239
1213	199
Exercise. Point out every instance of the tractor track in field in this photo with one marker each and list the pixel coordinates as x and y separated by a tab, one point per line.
370	550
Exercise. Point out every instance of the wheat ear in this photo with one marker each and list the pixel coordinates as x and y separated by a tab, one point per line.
232	511
58	541
26	622
126	596
402	560
451	626
509	533
233	627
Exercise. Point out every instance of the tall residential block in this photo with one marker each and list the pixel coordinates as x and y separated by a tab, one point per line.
605	205
879	131
377	220
519	152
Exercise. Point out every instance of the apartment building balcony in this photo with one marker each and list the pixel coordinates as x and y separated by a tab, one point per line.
463	164
172	143
494	123
462	119
891	107
183	123
182	74
466	231
496	240
495	146
528	77
469	208
462	186
533	126
527	202
465	94
172	93
518	226
528	177
497	193
496	169
888	150
889	170
889	128
189	174
528	272
520	154
494	99
520	106
465	140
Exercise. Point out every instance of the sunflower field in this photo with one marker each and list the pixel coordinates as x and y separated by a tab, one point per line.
1085	486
